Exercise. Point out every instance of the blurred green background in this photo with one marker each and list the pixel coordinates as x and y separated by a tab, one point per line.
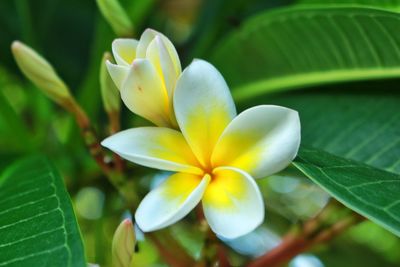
73	35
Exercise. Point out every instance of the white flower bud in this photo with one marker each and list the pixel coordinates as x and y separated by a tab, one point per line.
123	244
109	91
40	72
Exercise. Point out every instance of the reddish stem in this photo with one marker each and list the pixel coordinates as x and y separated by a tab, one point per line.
295	244
88	134
222	257
172	253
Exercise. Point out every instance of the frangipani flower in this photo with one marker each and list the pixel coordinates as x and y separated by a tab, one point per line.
216	157
146	73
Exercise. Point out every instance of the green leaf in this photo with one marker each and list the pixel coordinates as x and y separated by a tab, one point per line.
37	222
371	192
307	46
217	17
361	123
389	4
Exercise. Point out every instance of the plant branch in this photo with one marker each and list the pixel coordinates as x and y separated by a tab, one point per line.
222	257
214	252
172	253
115	126
110	168
312	233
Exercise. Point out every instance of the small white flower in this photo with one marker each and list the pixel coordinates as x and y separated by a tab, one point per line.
146	73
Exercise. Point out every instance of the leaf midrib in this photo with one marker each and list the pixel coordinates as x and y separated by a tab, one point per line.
310	79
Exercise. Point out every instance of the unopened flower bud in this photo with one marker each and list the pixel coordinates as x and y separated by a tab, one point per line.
40	72
109	91
123	244
116	17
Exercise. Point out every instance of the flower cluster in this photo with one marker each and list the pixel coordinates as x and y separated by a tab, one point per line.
215	154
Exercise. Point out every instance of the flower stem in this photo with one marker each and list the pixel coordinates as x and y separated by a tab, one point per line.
214	252
88	134
112	169
115	126
170	250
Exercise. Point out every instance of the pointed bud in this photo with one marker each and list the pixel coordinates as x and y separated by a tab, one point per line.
109	91
123	244
40	72
116	17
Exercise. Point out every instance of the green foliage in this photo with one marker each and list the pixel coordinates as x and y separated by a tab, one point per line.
34	206
116	17
369	191
307	46
389	4
260	49
281	50
355	122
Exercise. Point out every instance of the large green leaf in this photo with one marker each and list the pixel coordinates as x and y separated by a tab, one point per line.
217	17
304	46
389	4
37	223
361	123
299	47
371	192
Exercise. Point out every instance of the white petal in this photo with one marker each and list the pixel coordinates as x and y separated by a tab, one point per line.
118	73
262	140
144	41
255	243
158	54
154	147
232	203
203	107
143	93
171	201
124	51
148	36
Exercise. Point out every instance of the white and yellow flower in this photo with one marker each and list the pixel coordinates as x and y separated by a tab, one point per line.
146	73
216	157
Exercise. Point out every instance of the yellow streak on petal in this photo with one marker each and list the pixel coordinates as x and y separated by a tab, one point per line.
179	186
173	148
225	189
205	130
143	93
127	55
153	54
241	149
125	49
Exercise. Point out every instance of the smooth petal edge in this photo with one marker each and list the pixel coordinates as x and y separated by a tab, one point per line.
125	43
118	73
143	76
147	36
189	204
293	142
144	41
158	53
213	107
225	233
148	161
